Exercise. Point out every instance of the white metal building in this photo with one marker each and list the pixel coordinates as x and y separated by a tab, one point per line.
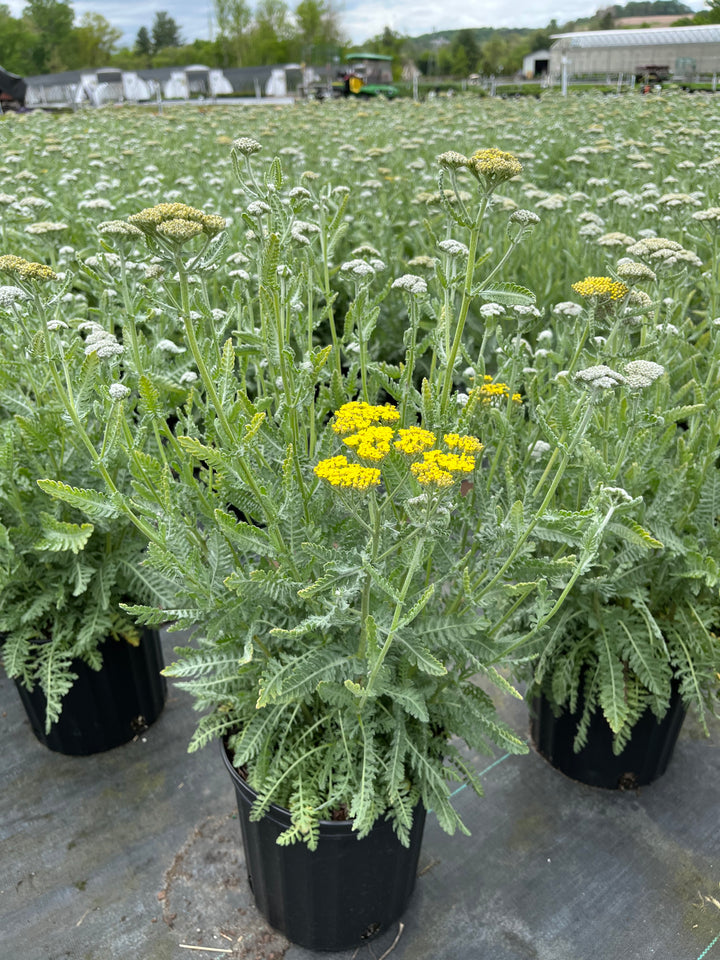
536	64
682	51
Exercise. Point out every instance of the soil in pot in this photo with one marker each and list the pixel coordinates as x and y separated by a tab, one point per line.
644	758
106	707
338	896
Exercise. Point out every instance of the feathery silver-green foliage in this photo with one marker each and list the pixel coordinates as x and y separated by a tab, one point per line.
65	563
642	621
339	633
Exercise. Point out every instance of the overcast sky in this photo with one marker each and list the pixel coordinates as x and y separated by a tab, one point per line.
361	19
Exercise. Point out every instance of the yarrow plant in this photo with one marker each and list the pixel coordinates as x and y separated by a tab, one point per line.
340	530
639	625
63	570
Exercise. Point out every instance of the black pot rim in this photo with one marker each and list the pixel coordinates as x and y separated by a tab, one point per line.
276	813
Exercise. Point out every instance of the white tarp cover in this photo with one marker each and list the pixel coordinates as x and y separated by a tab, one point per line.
277	83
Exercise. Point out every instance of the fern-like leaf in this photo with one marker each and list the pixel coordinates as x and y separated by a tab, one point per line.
95	505
60	536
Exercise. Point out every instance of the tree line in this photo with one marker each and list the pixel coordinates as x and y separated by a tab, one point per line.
46	38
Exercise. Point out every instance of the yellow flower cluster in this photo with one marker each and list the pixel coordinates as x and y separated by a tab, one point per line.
372	443
604	287
431	474
465	444
357	415
414	440
494	165
26	269
339	473
150	219
440	468
373	440
489	391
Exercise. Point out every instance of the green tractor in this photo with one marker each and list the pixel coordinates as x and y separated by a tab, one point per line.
365	75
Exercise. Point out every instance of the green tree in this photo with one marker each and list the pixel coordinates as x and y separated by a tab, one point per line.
165	32
711	15
92	42
143	43
496	58
271	32
444	61
51	21
459	65
233	18
16	39
319	34
464	42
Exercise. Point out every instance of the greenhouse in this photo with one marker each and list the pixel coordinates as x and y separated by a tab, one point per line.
678	51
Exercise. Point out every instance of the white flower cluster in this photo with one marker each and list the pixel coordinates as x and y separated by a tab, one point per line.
357	268
411	283
641	373
246	146
525	217
167	346
492	310
300	230
111	261
100	340
629	269
679	200
96	203
118	391
257	208
600	376
566	308
10	295
663	252
539	449
615	239
712	214
45	226
422	260
453	248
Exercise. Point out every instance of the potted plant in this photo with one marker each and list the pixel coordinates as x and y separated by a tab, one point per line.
88	678
339	540
635	643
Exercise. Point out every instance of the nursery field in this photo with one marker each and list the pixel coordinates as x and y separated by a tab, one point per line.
506	314
601	173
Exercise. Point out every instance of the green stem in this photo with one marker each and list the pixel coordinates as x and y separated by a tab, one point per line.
464	306
543	506
395	621
365	601
327	291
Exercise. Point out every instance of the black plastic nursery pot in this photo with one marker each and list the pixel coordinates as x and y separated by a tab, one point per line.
644	758
106	707
338	896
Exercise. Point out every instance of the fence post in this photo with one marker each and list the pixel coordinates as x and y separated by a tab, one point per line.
564	84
